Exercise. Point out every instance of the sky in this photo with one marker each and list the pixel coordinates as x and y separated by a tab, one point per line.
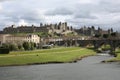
78	13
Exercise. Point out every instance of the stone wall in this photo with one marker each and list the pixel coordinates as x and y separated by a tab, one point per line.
50	28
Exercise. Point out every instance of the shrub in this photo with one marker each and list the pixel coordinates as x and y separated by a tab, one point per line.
26	45
4	51
5	45
105	35
97	35
13	47
20	47
29	45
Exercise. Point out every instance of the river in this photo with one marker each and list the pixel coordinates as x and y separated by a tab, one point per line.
88	68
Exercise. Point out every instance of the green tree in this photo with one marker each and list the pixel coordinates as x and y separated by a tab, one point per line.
114	34
105	35
20	47
13	47
35	45
97	35
32	46
26	45
5	45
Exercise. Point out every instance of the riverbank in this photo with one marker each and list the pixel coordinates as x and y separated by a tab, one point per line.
46	56
115	59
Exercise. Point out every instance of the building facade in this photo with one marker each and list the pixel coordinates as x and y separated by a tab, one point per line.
8	38
91	31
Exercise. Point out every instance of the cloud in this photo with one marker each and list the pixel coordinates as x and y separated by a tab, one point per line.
85	15
88	1
2	0
0	7
5	0
59	11
22	22
76	12
34	16
56	19
18	17
105	14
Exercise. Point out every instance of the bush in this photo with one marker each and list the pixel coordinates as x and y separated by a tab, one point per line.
26	45
105	35
20	47
4	51
29	45
5	45
13	47
114	34
97	35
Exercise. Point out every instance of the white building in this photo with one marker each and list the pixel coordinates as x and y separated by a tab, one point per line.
7	38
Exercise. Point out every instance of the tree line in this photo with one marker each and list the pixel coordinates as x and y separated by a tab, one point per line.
18	47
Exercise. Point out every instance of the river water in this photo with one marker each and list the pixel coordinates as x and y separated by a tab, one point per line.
89	68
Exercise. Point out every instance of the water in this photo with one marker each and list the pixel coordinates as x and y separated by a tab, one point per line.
87	69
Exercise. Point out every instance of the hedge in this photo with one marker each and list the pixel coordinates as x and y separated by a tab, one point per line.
4	51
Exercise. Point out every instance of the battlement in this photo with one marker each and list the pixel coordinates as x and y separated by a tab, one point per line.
58	28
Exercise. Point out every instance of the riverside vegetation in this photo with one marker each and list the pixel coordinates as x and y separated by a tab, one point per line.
45	56
116	59
107	47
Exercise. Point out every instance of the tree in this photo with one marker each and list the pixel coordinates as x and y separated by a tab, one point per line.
29	45
13	47
32	46
26	45
97	35
105	35
114	34
5	45
20	47
35	45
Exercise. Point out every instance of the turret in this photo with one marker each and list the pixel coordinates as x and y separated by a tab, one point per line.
65	24
12	26
41	24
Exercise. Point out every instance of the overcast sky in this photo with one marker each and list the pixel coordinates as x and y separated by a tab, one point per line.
103	13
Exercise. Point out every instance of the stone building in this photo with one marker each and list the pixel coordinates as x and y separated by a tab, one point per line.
25	29
86	31
18	39
49	28
91	31
3	38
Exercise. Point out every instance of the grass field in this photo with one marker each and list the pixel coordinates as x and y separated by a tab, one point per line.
54	55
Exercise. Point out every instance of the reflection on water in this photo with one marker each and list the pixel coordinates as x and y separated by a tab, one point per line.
87	69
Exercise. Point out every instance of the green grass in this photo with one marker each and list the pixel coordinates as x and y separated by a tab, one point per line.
116	59
62	55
